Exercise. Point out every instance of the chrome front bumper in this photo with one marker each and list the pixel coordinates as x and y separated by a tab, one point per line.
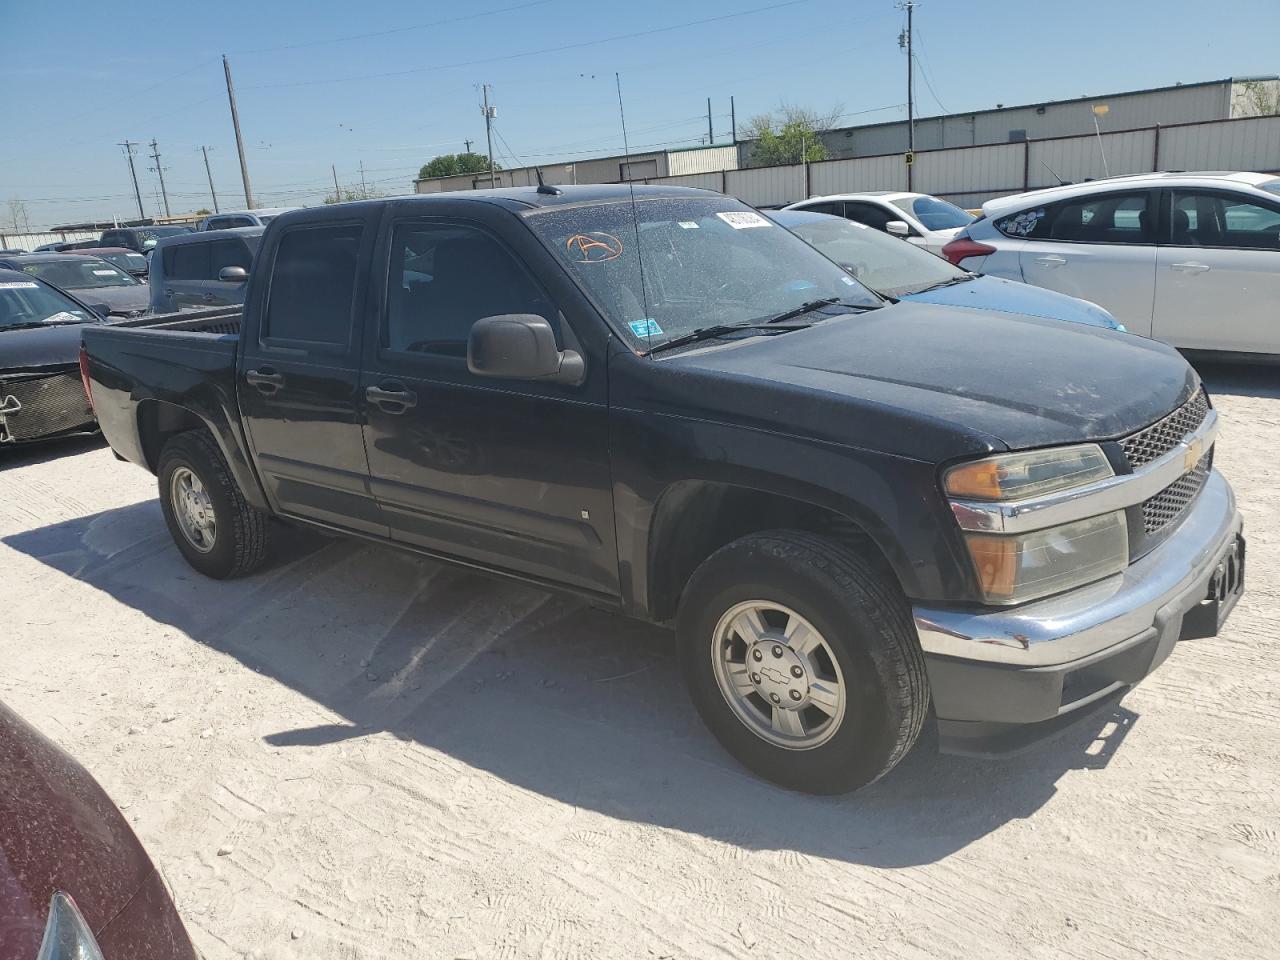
1043	660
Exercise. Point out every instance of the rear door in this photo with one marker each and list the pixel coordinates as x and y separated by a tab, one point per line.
299	376
1099	247
510	474
186	272
1218	272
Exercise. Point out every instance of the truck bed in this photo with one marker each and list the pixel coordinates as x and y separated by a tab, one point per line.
222	320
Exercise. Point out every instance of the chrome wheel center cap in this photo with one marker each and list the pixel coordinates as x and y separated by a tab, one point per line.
778	674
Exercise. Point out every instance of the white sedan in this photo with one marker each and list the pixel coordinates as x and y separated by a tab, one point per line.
1192	259
915	217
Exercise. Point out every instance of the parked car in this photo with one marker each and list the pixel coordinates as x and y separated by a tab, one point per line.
659	400
86	276
199	270
58	247
258	217
134	264
140	239
903	272
1192	259
77	883
10	253
918	218
41	393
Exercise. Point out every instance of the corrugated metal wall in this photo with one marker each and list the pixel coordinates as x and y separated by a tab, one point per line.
706	160
1252	144
701	181
975	170
29	241
872	173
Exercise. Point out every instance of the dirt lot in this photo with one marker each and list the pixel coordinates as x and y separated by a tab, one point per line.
363	754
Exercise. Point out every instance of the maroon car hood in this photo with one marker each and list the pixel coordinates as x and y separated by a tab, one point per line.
58	831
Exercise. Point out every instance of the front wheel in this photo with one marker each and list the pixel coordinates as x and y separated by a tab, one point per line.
214	527
800	657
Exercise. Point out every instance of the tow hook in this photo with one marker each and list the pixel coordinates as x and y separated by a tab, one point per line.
8	406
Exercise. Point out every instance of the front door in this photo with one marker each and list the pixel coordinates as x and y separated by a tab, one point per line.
509	474
299	384
1218	273
1101	248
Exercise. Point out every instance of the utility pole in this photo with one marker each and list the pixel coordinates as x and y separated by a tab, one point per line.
235	122
468	143
363	186
711	133
159	171
733	121
337	190
129	146
489	114
212	192
904	41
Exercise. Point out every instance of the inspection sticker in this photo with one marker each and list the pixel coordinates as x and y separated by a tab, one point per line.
63	317
104	273
688	224
19	285
743	219
647	327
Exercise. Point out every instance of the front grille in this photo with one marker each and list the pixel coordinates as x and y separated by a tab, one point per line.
1153	442
1167	505
42	406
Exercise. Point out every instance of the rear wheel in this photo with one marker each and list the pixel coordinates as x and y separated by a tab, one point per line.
801	658
214	527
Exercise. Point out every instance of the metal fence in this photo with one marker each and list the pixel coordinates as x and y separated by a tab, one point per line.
970	176
29	241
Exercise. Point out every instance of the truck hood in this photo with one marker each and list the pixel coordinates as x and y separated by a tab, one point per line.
933	382
35	347
1010	296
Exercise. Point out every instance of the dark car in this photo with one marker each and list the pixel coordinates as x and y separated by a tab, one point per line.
41	394
11	253
88	277
206	269
75	883
139	239
856	513
133	263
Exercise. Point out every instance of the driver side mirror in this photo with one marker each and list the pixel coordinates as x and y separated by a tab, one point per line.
233	274
899	228
521	346
101	309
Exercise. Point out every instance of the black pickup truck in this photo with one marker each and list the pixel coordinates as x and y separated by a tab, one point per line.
853	511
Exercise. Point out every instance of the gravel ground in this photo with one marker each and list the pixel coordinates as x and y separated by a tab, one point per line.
359	753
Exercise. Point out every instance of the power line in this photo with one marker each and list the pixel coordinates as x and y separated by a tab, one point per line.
532	53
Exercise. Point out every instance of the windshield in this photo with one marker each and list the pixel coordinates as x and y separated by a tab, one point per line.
883	263
705	262
131	262
27	303
934	214
80	273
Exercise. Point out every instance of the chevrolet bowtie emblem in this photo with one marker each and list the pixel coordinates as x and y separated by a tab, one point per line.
1195	450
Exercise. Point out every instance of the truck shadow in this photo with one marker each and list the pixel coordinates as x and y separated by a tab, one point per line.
1240	380
577	704
29	454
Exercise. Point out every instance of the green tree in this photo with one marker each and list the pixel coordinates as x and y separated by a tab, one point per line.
452	164
790	135
355	192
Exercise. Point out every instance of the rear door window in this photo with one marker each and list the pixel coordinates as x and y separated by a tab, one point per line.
313	284
1100	218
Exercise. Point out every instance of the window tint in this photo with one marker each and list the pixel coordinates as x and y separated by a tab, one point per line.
227	253
446	277
1216	220
834	208
313	285
187	261
1105	218
868	213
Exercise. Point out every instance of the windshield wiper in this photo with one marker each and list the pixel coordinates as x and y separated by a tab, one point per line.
811	305
32	324
948	283
719	330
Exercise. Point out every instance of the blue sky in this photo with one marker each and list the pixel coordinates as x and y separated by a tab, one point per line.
79	77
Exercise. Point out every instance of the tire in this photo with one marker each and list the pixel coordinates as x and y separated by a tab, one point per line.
871	653
238	543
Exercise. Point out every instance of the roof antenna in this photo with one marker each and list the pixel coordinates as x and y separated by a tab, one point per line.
635	215
543	188
1061	182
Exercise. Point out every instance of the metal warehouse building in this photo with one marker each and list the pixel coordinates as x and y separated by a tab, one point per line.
1133	110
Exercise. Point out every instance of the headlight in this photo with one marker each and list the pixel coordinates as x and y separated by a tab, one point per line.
1013	569
1017	476
66	935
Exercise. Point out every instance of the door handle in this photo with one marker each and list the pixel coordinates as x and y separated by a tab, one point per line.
391	397
266	380
1052	260
1189	267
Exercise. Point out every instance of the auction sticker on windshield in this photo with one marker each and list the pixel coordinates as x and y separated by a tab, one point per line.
645	328
743	219
19	285
104	273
